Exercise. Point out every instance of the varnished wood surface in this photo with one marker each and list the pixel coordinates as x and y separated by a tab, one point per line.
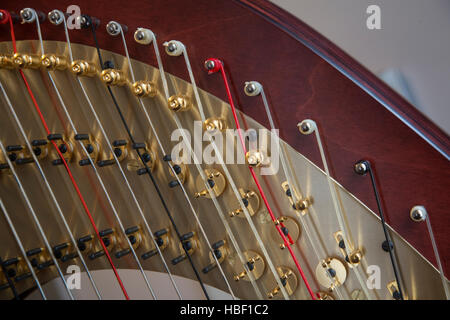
299	85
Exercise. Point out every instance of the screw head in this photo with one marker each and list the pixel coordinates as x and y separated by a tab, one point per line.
171	47
140	35
250	88
209	64
418	213
361	167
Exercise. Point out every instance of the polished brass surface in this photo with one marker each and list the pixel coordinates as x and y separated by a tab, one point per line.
26	61
83	68
257	268
213	125
144	89
6	61
113	77
254	158
421	279
331	273
300	205
355	255
179	103
218	180
251	198
292	227
54	62
288	280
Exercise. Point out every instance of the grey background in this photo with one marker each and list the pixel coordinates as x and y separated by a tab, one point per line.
411	52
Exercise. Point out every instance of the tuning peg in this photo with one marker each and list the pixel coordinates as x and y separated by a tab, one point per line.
251	202
144	36
29	15
114	28
188	245
81	242
288	280
219	252
144	89
83	68
86	21
113	77
179	102
255	264
174	48
216	181
252	88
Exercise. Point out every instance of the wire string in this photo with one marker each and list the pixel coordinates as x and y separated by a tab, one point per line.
148	171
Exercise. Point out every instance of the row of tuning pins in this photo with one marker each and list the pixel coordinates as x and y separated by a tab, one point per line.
42	149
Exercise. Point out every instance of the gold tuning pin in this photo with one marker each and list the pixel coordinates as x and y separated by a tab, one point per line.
26	61
255	264
144	89
179	102
54	62
6	61
251	202
331	273
212	125
254	158
83	68
289	281
355	255
216	181
220	252
113	77
189	243
301	205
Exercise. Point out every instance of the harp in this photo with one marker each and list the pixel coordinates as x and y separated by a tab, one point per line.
208	149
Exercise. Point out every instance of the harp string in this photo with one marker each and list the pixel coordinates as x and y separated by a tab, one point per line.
203	176
148	171
342	221
261	192
292	180
36	221
227	173
147	226
116	215
22	249
141	103
49	189
229	178
438	259
74	183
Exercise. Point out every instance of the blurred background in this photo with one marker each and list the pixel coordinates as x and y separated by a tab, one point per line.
411	51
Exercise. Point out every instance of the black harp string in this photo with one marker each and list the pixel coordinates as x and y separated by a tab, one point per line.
115	158
148	171
389	242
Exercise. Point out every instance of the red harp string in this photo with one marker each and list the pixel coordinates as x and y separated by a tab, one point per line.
7	18
218	67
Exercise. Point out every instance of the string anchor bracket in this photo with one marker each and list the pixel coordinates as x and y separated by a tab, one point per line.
216	182
251	201
289	281
254	264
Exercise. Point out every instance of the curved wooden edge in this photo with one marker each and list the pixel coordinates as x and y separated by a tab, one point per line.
354	70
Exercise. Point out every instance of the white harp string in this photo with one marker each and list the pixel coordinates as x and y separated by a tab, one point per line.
292	181
36	220
348	240
22	249
141	103
50	190
227	173
141	212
